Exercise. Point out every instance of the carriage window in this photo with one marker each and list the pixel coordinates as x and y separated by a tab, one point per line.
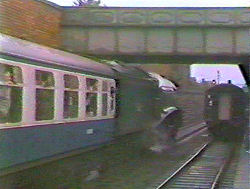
70	96
91	104
104	104
104	98
91	84
44	104
71	82
104	86
44	79
11	75
70	104
10	94
44	95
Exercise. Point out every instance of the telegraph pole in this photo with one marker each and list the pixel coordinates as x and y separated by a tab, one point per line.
218	76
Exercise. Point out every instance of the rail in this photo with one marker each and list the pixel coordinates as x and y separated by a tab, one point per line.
203	169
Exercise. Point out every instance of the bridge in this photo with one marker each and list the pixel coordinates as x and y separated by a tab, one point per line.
134	35
158	35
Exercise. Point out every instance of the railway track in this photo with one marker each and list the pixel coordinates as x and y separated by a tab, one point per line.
204	170
18	180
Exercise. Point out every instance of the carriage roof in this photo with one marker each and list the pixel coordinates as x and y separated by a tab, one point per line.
28	50
225	88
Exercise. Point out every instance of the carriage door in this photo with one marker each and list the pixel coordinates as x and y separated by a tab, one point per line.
225	105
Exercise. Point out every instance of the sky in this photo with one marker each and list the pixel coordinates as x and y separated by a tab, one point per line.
209	73
166	3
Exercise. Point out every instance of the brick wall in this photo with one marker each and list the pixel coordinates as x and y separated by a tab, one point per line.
191	102
190	95
32	20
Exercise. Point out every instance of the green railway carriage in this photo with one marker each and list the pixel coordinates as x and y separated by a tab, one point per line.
225	111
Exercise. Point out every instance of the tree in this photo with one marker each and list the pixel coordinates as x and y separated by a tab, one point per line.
87	3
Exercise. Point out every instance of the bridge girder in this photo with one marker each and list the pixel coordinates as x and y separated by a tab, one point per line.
157	31
159	35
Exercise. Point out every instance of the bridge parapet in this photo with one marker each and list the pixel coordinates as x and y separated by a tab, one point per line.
110	16
158	34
